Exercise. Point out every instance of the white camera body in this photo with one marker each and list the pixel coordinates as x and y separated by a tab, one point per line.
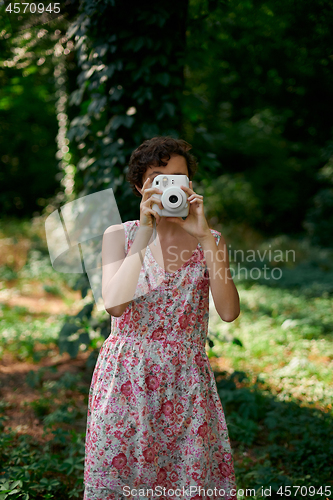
173	198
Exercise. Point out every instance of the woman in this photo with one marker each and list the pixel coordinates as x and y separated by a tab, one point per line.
156	427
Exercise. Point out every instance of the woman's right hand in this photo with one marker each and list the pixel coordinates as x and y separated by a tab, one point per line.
147	214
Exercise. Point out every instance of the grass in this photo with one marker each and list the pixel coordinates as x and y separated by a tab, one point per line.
286	341
277	389
273	368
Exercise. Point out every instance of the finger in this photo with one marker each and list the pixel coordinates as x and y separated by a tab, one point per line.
155	214
154	200
153	190
149	191
191	199
148	182
195	194
143	189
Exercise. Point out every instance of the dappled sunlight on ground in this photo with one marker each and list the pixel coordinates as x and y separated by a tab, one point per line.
18	394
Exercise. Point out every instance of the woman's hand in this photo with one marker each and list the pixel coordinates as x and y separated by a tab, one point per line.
147	214
195	223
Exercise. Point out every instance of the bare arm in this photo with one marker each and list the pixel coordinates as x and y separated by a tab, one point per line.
120	272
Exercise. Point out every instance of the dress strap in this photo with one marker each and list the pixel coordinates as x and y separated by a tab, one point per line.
130	228
216	235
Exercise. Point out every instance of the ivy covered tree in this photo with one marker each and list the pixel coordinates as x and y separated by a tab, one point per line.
130	81
127	88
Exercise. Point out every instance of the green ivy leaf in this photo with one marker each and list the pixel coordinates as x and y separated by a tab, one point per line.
163	78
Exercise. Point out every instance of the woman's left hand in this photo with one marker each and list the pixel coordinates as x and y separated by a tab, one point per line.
195	223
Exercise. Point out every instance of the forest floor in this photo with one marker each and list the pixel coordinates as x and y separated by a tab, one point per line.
273	369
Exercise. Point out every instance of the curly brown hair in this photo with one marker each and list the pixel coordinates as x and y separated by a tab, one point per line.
150	154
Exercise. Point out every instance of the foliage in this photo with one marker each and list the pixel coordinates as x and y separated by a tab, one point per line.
29	73
230	197
128	89
291	443
295	331
245	116
272	267
28	124
82	331
239	80
319	221
34	471
252	78
52	469
275	388
76	332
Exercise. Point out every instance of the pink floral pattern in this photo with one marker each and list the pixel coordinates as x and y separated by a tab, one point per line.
154	414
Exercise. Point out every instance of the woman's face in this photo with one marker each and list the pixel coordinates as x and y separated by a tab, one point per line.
176	165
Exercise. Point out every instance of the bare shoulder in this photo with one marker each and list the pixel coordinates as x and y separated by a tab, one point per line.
114	228
114	238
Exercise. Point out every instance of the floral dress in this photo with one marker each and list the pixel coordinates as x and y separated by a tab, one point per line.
155	426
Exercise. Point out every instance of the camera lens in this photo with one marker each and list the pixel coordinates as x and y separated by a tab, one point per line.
173	198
